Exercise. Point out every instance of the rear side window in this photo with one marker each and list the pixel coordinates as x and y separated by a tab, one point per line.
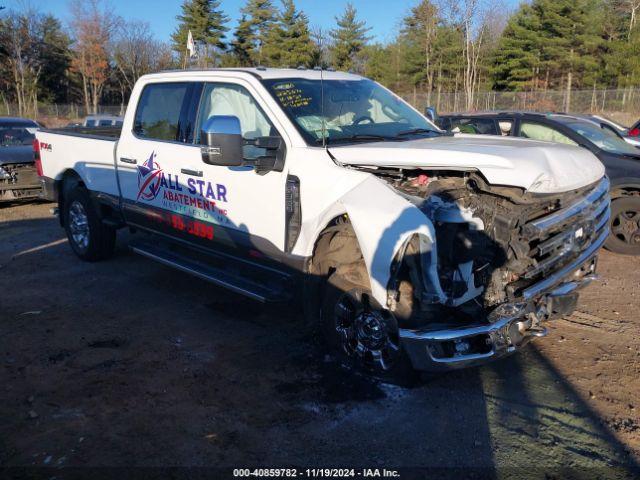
159	111
537	131
444	123
483	126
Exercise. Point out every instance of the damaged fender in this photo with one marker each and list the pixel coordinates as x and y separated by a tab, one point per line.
383	222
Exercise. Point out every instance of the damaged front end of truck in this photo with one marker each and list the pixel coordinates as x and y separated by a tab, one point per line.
495	264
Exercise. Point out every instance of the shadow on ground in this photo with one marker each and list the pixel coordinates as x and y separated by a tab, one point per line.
127	362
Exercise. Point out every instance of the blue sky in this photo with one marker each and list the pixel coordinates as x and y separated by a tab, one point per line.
383	16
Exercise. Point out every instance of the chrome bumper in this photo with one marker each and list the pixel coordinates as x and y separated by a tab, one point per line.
509	328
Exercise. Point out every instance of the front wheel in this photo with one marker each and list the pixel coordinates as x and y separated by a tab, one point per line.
89	238
363	334
625	226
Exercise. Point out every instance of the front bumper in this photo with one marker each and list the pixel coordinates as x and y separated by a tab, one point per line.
509	327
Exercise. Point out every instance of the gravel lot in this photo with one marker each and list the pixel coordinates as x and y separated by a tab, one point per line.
127	362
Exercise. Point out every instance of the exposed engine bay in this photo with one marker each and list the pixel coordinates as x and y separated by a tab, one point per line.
488	251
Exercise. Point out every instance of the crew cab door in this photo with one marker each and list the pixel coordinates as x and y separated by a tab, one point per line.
151	153
168	188
251	205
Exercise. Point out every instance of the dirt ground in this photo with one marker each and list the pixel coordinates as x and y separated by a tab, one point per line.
129	363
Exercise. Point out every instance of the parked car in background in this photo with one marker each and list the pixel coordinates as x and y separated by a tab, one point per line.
18	176
616	128
621	160
93	121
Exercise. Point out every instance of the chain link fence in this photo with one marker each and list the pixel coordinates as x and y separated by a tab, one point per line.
58	115
622	105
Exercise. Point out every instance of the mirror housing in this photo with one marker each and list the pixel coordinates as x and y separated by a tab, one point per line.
221	136
431	114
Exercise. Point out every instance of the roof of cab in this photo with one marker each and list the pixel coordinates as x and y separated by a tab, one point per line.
264	73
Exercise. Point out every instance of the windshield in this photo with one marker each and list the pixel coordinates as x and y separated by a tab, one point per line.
19	134
603	138
354	110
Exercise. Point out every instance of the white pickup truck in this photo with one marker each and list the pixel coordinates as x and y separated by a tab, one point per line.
410	248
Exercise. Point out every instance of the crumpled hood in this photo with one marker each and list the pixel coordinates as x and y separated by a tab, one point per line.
16	154
538	167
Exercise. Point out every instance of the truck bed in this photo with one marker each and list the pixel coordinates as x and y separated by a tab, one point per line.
100	133
89	152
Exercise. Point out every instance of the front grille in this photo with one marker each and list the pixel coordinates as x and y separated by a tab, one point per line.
556	240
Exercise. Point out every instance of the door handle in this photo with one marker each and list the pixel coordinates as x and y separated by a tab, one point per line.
128	160
193	173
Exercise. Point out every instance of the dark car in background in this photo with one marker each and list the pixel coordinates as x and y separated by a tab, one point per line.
621	159
18	176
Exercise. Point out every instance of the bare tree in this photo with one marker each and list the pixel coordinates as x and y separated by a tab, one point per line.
320	39
631	8
93	24
479	25
22	43
136	53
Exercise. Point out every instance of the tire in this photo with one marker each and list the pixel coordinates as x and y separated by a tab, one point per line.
625	226
362	334
89	238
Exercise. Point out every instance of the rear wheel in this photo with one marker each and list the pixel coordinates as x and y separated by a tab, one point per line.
89	238
625	226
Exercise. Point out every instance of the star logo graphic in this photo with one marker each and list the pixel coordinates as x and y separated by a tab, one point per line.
149	177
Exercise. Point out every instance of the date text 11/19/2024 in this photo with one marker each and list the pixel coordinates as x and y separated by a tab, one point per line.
315	473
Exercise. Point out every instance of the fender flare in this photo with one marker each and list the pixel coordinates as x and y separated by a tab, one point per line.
384	222
65	181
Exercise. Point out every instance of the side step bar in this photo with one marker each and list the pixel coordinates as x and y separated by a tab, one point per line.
217	275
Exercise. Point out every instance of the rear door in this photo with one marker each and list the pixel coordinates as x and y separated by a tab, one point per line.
150	157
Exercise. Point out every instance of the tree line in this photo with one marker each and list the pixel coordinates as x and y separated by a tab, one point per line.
439	46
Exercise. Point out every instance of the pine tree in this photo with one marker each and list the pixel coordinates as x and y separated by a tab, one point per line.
570	42
420	34
517	59
260	16
348	39
289	43
56	61
206	21
242	46
550	44
377	64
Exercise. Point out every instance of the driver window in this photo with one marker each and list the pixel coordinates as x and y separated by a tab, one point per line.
230	99
537	131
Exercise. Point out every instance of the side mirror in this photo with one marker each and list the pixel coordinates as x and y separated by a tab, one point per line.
222	139
431	114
